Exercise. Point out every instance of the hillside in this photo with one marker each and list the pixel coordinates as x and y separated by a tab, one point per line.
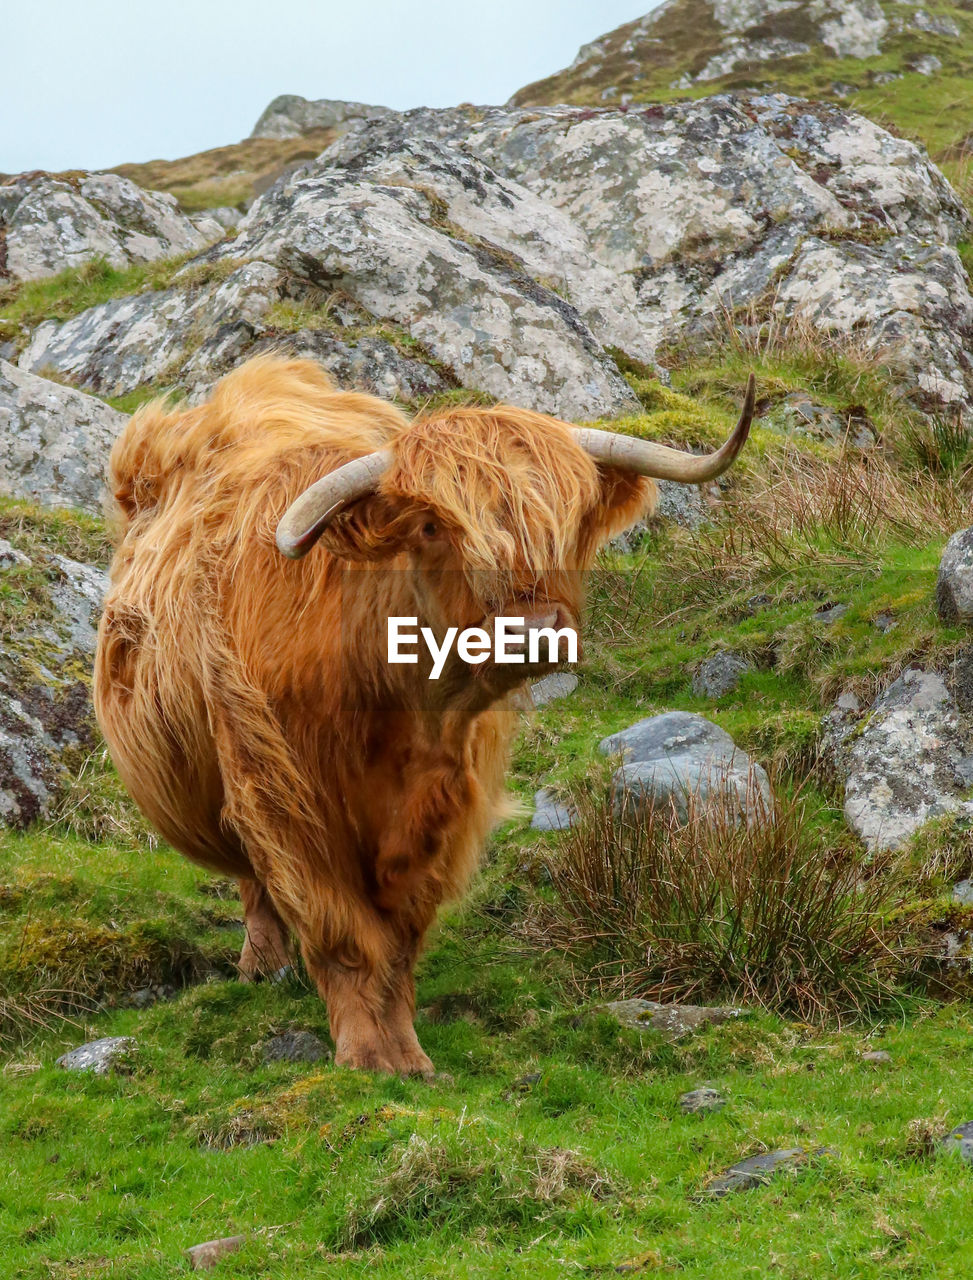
905	66
725	938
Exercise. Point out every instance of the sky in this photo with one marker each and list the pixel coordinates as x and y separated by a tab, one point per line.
89	84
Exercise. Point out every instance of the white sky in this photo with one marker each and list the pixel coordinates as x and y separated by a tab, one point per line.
93	83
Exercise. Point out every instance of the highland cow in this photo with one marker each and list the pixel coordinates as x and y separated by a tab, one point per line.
245	694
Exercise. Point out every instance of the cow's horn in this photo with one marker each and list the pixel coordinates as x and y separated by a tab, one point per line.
650	459
309	515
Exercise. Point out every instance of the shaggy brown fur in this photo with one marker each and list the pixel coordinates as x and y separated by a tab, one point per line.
247	699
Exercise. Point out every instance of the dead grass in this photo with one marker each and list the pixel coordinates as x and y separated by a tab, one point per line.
469	1181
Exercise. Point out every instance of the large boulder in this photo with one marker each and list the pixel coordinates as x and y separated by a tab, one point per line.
46	723
54	441
906	759
679	761
954	581
49	223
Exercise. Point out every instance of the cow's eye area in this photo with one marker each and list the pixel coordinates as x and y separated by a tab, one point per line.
430	530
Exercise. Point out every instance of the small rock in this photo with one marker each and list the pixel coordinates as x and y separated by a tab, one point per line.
550	814
960	1141
884	622
557	685
830	613
671	1020
99	1056
954	583
295	1046
757	1170
524	1084
799	414
701	1100
848	702
204	1257
877	1057
719	674
963	893
10	557
927	64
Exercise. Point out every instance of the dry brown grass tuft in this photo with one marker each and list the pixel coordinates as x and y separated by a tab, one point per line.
762	914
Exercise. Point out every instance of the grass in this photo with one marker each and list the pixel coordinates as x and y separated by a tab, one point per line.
553	1143
25	305
557	1146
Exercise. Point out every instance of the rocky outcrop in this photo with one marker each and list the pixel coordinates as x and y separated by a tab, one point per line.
45	663
519	253
714	43
290	116
908	758
54	441
49	223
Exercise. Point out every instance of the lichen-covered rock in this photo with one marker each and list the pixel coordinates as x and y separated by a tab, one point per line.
290	115
100	1057
908	759
54	441
673	1021
520	253
954	582
150	337
45	664
799	414
471	305
48	224
295	1046
701	1101
719	674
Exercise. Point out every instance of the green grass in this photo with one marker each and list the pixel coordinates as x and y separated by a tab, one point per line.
328	1171
24	306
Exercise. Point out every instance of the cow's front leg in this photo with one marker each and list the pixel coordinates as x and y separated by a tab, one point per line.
356	1013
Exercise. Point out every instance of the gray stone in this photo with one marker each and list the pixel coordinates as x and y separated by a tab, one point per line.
926	64
701	1101
45	702
673	1021
684	763
908	760
295	1046
550	814
719	674
799	414
51	223
877	1057
963	893
830	613
290	115
959	1141
954	582
54	441
10	557
758	1170
99	1056
672	733
884	622
560	684
206	1256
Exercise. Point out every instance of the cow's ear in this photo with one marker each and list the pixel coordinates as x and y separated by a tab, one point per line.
373	528
625	498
